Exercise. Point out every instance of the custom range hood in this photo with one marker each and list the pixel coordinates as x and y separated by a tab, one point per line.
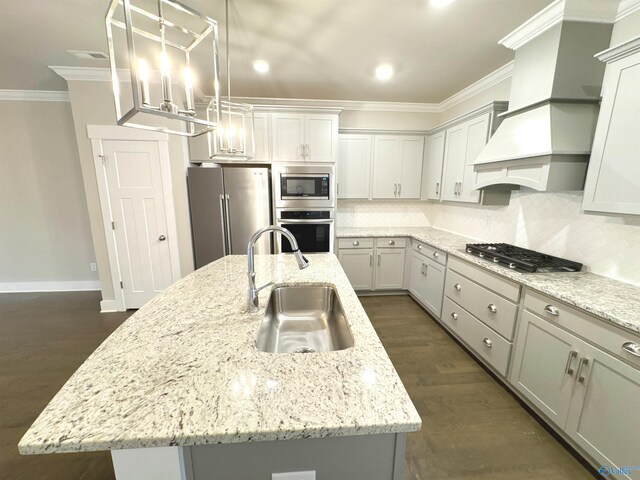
544	140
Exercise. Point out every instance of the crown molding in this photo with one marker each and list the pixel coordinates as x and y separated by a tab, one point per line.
627	7
87	74
477	87
591	11
356	105
34	95
620	51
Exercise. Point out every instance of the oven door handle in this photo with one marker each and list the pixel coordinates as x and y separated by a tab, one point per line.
316	222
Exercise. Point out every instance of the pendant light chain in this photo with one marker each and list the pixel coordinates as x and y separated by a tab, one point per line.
226	19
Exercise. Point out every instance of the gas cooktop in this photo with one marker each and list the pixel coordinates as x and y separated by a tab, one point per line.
518	258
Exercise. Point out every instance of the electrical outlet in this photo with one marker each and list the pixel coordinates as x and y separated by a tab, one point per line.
308	475
93	267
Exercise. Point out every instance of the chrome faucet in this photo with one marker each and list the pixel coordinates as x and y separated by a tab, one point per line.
253	291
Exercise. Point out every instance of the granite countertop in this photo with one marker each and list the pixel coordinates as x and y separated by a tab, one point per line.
612	300
184	370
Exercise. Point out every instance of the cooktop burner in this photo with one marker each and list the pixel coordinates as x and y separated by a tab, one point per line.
518	258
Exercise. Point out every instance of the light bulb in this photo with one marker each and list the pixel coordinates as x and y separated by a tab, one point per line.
143	70
384	72
261	66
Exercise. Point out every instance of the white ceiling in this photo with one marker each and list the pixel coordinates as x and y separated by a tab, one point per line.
320	49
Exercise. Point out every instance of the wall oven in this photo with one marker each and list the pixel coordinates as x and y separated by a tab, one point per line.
304	186
313	229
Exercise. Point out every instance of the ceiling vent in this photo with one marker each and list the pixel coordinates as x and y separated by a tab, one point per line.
87	55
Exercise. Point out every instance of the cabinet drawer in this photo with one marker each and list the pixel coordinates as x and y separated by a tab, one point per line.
391	242
504	287
607	337
490	346
431	252
355	243
494	310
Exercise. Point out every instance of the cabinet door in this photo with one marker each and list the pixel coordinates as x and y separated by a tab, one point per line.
417	278
604	418
614	167
358	265
288	137
261	131
354	166
432	167
433	286
477	134
544	366
411	167
321	138
454	157
386	165
389	268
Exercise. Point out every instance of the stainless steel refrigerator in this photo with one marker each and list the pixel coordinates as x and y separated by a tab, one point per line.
228	204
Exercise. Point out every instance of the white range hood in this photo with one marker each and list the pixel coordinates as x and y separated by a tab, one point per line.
544	140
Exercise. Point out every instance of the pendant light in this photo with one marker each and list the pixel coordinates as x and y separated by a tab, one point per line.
171	38
234	137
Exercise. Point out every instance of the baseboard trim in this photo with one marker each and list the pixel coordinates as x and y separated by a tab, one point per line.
69	286
107	306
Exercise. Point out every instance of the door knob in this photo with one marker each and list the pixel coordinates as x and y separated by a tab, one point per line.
162	238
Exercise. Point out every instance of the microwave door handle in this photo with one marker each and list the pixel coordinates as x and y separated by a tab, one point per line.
285	220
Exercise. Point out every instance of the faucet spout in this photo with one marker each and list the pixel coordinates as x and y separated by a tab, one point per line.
251	273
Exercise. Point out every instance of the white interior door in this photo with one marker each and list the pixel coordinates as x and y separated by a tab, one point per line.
136	198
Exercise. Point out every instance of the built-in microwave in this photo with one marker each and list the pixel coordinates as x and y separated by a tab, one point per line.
303	186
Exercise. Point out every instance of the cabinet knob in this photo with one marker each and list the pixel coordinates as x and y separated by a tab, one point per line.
457	287
356	243
454	315
419	247
436	254
162	238
487	342
492	308
551	310
392	242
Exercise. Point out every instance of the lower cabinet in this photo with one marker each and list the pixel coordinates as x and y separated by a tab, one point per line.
588	393
426	282
373	264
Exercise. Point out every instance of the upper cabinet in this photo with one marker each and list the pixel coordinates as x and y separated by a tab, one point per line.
298	137
432	166
614	168
354	165
397	166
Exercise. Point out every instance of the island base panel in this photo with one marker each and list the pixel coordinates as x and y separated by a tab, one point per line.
366	457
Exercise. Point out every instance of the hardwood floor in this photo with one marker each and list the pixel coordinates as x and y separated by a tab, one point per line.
44	338
472	427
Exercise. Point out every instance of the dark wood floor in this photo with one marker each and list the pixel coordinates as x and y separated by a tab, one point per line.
472	427
44	338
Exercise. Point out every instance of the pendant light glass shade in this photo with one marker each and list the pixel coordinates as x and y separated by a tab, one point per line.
170	52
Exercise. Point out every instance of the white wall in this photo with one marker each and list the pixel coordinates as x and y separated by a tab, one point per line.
45	239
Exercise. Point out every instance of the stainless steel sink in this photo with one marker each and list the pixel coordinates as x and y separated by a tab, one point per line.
304	319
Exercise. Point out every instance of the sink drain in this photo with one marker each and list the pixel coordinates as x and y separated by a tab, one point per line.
304	350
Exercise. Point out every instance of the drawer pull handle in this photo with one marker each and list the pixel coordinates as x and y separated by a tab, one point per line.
551	310
435	255
356	243
391	242
454	315
487	342
567	368
632	348
481	255
583	363
457	287
492	308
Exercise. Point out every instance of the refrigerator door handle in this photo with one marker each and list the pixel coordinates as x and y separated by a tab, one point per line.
228	222
225	227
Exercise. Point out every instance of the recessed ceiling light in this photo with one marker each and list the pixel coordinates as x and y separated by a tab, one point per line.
384	72
440	3
261	66
87	55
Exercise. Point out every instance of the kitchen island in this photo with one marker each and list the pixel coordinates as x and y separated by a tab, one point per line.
183	375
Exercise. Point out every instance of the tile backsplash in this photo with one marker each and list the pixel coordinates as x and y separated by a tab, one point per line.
552	223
